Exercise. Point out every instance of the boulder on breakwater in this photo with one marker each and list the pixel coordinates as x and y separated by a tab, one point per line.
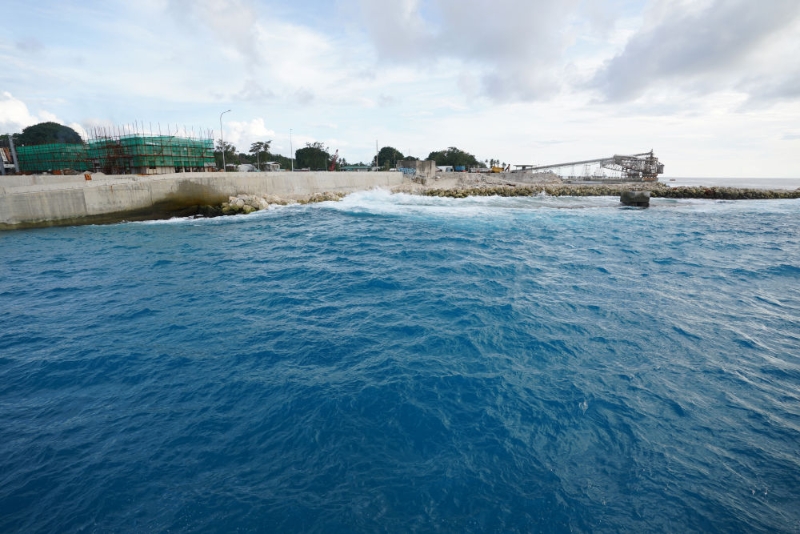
247	204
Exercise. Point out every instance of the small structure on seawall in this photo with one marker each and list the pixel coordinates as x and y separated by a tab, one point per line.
639	199
418	171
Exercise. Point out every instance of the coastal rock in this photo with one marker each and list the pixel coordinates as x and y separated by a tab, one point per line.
249	203
639	199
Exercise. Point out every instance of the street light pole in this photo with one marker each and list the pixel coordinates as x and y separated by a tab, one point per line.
222	140
291	149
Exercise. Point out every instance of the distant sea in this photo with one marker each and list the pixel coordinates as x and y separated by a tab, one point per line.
757	183
392	363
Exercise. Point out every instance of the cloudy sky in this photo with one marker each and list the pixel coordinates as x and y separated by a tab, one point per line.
712	85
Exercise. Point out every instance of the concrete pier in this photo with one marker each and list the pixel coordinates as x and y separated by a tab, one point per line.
36	201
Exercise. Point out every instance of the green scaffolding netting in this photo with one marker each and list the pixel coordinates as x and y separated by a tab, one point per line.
56	156
125	154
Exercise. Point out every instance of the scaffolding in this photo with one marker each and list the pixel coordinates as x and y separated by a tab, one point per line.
124	150
53	157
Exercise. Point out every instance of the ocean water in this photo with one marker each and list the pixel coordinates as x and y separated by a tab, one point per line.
392	363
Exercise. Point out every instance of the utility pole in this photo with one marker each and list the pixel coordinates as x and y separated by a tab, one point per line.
291	149
13	153
222	140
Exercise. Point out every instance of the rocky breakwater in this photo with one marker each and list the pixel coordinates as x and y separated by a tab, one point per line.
244	204
727	193
656	190
555	190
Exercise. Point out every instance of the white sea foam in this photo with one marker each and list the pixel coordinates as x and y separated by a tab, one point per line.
383	202
163	222
378	201
227	219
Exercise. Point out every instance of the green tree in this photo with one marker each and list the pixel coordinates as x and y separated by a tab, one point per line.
314	156
230	154
260	151
388	157
48	132
454	157
4	139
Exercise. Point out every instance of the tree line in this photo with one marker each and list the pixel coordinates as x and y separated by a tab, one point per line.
313	156
317	157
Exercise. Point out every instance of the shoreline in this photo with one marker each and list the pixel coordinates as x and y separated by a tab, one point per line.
115	199
244	204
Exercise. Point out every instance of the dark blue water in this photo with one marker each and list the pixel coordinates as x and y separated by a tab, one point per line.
399	364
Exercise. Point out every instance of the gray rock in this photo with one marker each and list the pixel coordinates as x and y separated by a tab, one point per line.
639	199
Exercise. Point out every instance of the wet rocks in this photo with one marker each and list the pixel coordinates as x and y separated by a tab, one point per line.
639	199
655	190
247	204
727	193
322	197
250	203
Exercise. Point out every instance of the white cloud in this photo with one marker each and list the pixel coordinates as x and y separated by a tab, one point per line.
515	50
704	47
80	129
232	21
15	116
243	133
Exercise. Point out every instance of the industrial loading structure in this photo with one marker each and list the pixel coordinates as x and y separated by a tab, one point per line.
643	167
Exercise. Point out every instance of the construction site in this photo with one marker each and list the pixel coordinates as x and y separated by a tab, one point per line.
117	151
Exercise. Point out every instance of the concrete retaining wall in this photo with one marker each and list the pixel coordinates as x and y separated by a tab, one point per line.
31	201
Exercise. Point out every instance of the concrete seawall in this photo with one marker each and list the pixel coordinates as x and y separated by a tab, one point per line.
36	201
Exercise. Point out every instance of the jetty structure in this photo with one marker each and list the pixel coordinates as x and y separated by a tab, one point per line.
643	167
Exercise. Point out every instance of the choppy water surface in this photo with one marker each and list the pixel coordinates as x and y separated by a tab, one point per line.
400	364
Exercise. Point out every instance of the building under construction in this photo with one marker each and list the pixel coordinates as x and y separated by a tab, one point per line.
643	167
122	151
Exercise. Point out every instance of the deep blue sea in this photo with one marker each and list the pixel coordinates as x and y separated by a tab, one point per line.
406	364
